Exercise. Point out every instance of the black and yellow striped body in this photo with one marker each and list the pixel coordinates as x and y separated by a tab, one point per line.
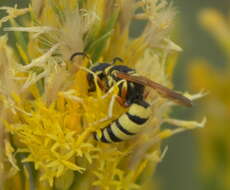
134	91
131	122
127	125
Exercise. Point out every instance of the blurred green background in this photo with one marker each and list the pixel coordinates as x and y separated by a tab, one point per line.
179	169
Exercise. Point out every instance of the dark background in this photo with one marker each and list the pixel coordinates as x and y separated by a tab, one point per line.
179	169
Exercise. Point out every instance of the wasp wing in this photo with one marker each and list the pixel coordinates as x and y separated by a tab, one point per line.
162	90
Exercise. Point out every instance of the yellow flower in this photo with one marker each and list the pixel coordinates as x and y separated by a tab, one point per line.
48	116
214	139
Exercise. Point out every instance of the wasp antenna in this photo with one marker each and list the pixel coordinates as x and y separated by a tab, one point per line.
115	59
78	54
81	54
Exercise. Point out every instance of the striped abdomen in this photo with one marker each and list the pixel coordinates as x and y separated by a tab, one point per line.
127	125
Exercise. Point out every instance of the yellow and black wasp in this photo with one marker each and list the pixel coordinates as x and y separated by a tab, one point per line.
131	95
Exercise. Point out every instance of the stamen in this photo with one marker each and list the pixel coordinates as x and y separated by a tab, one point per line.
186	124
70	95
196	96
40	61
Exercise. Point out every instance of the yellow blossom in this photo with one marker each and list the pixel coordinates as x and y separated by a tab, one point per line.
47	114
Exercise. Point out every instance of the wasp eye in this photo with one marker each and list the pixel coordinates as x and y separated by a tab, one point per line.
91	83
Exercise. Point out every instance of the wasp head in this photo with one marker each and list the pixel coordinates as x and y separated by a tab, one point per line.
99	73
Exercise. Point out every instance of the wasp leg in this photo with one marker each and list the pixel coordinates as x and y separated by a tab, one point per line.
100	84
121	101
122	98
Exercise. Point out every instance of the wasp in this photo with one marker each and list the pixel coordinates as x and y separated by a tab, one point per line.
131	94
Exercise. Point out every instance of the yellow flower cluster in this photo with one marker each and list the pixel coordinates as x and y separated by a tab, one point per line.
47	114
214	139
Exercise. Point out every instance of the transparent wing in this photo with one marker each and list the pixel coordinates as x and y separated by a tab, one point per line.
163	91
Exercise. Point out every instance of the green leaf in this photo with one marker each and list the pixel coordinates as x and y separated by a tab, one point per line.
59	11
98	43
21	41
